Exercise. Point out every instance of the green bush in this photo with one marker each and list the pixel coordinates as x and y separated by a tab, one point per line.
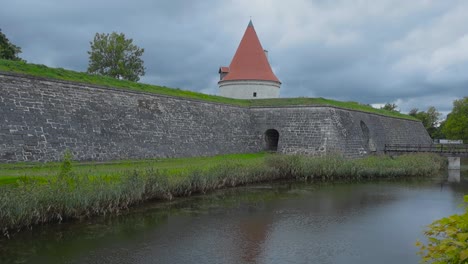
447	240
66	166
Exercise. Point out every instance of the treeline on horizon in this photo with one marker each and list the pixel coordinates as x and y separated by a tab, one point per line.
455	126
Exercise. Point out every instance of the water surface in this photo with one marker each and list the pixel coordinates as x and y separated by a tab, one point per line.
369	222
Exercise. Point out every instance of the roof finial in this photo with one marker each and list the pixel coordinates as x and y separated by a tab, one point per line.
250	22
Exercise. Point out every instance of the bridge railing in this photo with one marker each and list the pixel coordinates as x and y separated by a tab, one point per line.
437	148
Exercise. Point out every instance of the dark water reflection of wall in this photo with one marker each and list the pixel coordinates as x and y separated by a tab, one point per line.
269	223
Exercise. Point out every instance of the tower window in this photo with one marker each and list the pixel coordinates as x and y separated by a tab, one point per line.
255	94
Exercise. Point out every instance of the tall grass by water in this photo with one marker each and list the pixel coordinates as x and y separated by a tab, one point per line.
68	195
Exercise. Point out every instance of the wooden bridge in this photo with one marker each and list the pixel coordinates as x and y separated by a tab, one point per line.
447	150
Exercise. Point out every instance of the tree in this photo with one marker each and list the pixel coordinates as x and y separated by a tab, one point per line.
390	107
447	240
430	120
115	56
439	132
456	125
8	51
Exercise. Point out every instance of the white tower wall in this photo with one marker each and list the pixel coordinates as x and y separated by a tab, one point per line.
249	89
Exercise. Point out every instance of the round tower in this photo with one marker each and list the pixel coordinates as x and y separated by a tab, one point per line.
249	76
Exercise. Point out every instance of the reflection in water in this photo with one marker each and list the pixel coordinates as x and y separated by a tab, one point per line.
252	235
453	175
269	223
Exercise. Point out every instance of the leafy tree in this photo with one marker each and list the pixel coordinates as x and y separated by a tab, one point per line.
8	51
447	240
456	125
115	56
430	120
438	133
390	107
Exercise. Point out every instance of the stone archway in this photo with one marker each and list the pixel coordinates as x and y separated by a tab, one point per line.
271	140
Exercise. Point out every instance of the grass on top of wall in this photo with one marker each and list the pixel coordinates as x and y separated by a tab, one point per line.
81	77
322	101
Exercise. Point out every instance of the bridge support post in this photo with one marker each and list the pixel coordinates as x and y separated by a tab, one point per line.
454	163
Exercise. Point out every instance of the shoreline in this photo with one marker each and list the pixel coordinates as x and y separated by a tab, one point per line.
68	195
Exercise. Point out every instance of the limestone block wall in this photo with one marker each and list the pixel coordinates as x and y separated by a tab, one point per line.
40	118
302	130
319	130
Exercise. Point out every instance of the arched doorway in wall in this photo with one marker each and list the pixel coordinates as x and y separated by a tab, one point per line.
271	139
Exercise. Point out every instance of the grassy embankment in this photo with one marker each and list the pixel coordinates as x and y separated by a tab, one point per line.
67	75
43	193
10	173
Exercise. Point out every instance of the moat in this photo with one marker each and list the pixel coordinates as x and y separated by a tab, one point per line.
371	222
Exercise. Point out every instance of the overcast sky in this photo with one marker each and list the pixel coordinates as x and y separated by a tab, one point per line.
412	53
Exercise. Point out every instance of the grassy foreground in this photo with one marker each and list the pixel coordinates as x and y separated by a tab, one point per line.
12	173
81	77
75	194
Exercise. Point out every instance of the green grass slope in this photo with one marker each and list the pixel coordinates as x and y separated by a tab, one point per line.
80	77
12	172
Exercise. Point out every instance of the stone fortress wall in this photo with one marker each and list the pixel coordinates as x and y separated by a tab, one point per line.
41	118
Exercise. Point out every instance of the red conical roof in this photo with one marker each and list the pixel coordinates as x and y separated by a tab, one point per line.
250	61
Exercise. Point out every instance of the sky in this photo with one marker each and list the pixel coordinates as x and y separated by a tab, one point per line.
411	53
